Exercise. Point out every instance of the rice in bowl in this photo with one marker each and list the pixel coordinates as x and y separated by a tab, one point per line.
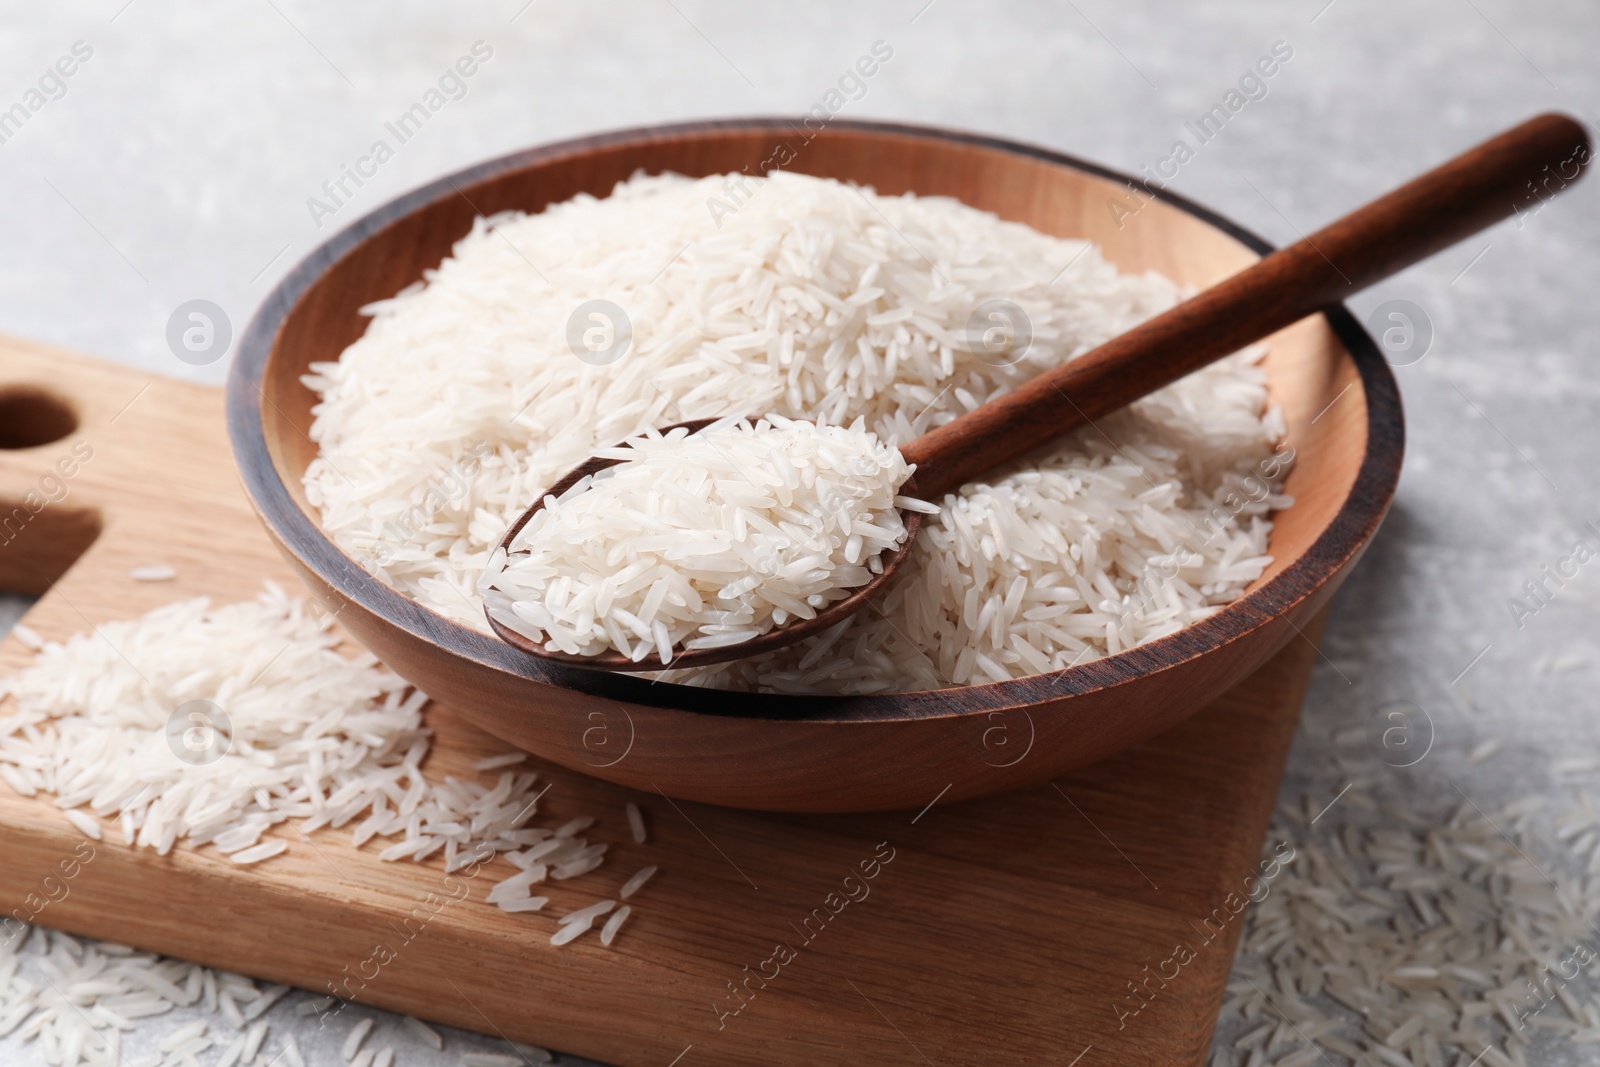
818	300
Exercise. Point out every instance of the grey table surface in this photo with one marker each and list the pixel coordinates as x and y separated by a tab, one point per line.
179	161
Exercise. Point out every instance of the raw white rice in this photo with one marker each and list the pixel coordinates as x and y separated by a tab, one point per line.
97	731
264	851
28	636
1426	939
608	932
636	883
185	1053
182	1034
815	300
425	1033
316	1007
588	914
636	823
1578	765
507	759
84	723
574	826
703	540
517	905
88	824
253	1039
259	1006
93	728
231	1054
571	931
153	572
578	866
352	1043
230	1010
1484	751
77	997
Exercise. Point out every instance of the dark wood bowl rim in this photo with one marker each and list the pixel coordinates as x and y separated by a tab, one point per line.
1345	537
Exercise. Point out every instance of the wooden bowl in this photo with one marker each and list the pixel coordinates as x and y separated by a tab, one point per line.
784	753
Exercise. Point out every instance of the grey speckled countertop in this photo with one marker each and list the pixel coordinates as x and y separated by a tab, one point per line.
179	161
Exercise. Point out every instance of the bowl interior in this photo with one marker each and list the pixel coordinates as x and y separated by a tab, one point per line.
1312	376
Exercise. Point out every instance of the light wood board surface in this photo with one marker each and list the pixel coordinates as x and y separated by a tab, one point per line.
1004	930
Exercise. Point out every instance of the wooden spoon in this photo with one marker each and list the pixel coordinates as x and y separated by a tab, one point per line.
1521	167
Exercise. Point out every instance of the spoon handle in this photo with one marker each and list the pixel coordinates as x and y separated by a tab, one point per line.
1512	173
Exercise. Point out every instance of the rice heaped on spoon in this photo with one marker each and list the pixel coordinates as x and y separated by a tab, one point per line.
703	540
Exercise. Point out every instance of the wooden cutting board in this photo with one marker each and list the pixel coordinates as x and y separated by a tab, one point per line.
1006	930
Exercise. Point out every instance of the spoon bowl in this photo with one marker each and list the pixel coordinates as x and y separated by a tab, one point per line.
779	636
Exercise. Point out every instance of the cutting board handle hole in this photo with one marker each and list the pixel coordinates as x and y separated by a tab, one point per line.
31	416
